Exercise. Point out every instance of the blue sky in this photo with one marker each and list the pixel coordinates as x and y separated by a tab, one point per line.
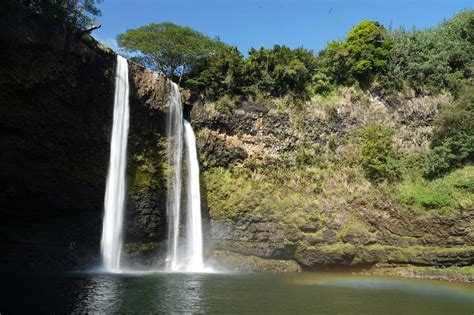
255	23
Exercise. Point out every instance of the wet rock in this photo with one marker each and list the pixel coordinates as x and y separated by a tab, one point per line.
57	93
231	261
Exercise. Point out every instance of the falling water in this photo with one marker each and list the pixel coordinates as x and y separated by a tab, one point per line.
175	148
184	254
114	203
194	228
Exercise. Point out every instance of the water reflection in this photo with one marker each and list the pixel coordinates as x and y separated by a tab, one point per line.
100	294
180	293
229	293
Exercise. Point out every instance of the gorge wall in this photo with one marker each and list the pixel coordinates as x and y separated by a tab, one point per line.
284	182
56	96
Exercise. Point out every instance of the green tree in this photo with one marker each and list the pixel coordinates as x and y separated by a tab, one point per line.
172	49
452	142
368	45
219	74
76	14
279	71
435	59
377	157
361	57
331	68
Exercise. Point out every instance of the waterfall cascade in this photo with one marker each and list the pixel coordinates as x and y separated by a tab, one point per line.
194	222
175	149
114	203
184	253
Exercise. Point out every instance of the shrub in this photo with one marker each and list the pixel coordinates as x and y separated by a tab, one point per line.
434	59
451	192
78	14
452	143
361	57
377	157
426	196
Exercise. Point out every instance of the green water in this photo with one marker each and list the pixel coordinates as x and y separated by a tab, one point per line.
304	293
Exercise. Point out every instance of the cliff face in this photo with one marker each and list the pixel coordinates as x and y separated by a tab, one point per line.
284	182
56	96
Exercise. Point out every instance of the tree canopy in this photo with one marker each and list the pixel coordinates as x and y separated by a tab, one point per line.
385	62
169	48
362	56
79	14
436	58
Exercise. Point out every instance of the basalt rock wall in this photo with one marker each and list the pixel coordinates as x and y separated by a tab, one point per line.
56	107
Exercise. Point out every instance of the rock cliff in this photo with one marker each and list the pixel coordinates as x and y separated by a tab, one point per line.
283	182
56	96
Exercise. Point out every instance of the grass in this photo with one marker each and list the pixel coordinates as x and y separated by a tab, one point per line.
239	192
453	192
453	273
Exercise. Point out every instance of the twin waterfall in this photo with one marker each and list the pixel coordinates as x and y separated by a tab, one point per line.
184	254
185	246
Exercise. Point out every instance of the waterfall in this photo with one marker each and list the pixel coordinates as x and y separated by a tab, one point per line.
194	222
175	148
184	254
114	203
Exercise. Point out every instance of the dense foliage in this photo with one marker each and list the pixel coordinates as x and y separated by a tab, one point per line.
439	58
79	14
361	57
272	72
222	74
452	143
174	50
427	61
377	157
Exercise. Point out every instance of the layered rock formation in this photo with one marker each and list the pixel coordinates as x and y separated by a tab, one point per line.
303	209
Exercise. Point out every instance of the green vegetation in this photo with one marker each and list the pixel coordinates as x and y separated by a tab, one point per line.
272	72
452	143
239	192
434	59
377	157
385	62
279	71
453	273
75	14
361	57
454	191
174	50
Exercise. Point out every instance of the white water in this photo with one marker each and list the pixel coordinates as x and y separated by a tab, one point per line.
114	203
175	149
194	222
184	253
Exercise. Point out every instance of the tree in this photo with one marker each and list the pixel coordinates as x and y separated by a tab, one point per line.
435	59
78	14
368	45
172	49
331	68
377	156
361	57
279	71
452	142
219	74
